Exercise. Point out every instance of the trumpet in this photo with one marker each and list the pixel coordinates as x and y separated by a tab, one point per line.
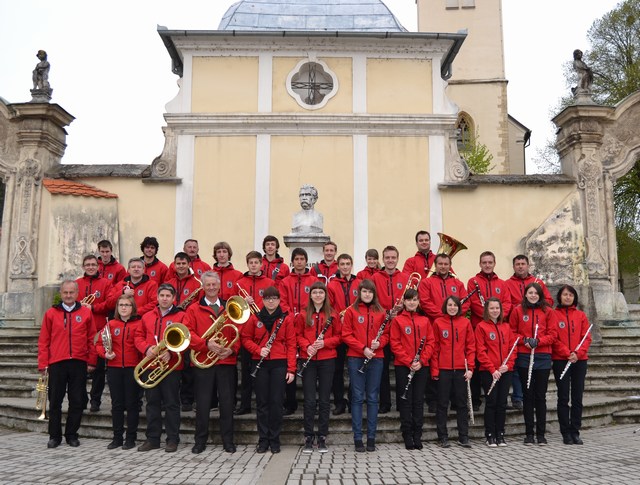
42	389
187	301
238	312
449	246
176	338
243	293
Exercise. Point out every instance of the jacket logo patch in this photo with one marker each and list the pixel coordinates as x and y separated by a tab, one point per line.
525	318
185	292
307	289
78	318
98	294
259	324
407	330
562	324
260	292
399	285
169	323
454	289
445	334
355	292
140	292
110	276
498	291
360	319
229	284
199	272
153	272
492	336
116	332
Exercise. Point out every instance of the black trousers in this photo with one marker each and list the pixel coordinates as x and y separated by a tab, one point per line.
385	383
223	379
291	400
338	376
535	400
246	383
166	393
67	377
476	386
431	392
318	375
269	386
97	382
186	384
495	411
124	396
452	383
571	386
412	408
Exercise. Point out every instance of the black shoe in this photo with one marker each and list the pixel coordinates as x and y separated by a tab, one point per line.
322	445
53	443
528	440
73	442
371	444
114	444
384	409
340	409
262	448
444	443
517	405
409	445
187	407
308	445
95	407
288	411
542	441
128	445
359	446
171	447
576	439
242	411
491	442
567	439
198	448
148	446
500	440
417	443
275	449
229	448
464	442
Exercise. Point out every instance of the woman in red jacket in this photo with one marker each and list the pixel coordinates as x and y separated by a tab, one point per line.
121	361
572	328
494	340
360	329
535	323
412	345
454	343
318	331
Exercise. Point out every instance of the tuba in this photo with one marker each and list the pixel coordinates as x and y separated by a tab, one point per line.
449	246
176	338
237	311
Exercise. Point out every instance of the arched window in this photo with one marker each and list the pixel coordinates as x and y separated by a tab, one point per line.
466	129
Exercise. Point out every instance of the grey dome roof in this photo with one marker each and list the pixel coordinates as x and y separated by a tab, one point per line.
320	15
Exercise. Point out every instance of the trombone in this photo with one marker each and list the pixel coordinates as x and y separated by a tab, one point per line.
412	284
176	338
89	299
244	294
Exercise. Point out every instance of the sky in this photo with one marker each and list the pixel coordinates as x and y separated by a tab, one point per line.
111	71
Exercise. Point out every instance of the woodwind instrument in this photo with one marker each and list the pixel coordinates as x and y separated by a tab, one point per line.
479	293
469	400
187	301
319	337
42	390
566	367
469	295
493	384
412	372
272	338
244	294
376	339
533	351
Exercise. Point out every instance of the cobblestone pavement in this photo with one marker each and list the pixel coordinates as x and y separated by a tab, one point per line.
610	455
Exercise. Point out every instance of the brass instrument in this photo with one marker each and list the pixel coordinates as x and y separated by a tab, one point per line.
238	312
243	293
176	338
449	246
412	284
187	301
42	389
107	341
89	299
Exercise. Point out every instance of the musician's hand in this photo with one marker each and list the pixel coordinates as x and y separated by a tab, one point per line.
435	378
319	344
368	353
311	351
224	353
526	343
128	292
213	346
496	375
109	355
86	305
91	368
375	345
43	371
165	356
290	377
467	375
503	369
249	299
151	352
573	358
264	351
416	366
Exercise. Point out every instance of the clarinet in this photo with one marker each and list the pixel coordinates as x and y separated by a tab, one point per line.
272	339
493	384
566	367
469	295
479	293
378	335
320	337
533	351
469	400
411	374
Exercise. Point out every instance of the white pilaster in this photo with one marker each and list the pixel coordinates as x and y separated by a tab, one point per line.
436	176
359	83
263	178
184	191
265	82
360	197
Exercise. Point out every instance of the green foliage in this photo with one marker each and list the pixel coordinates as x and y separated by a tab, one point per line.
630	247
477	156
57	299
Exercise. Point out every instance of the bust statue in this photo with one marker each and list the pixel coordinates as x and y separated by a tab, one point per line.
308	220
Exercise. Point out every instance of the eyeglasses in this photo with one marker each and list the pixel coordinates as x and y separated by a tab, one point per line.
124	304
271	298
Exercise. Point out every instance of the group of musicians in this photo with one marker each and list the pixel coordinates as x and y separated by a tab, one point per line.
178	332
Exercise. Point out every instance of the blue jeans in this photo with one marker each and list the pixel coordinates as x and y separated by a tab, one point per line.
516	392
363	386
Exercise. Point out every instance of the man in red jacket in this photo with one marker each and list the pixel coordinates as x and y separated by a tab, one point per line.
519	281
423	259
137	285
153	267
198	266
273	265
109	267
327	268
228	274
435	289
185	282
66	352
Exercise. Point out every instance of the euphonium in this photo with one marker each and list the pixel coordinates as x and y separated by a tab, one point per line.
176	338
42	389
449	246
238	312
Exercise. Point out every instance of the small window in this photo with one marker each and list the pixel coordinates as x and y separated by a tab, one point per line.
312	84
456	4
451	4
468	3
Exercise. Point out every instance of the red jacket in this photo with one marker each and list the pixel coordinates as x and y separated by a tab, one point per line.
433	291
112	271
150	332
294	291
123	336
493	343
390	287
66	335
454	341
420	263
343	292
367	273
276	270
197	265
306	335
145	293
490	286
88	285
254	285
407	330
360	326
572	326
523	322
517	285
323	271
199	318
228	277
157	271
255	336
185	288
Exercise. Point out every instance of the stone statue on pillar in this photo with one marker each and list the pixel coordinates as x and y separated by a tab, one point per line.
41	92
582	92
307	225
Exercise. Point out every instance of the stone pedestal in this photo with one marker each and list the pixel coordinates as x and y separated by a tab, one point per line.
311	243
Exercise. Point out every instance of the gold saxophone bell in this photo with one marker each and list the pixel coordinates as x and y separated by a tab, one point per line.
237	311
449	246
176	338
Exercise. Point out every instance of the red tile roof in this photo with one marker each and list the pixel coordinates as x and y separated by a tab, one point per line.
67	187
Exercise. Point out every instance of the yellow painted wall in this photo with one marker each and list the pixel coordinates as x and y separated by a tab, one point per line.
323	161
223	195
496	218
225	85
342	102
399	86
398	192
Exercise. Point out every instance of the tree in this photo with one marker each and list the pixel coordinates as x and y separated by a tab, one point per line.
477	155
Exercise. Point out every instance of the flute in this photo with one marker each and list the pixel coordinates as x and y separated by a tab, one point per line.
272	338
533	351
469	400
493	384
378	335
411	374
319	337
566	367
